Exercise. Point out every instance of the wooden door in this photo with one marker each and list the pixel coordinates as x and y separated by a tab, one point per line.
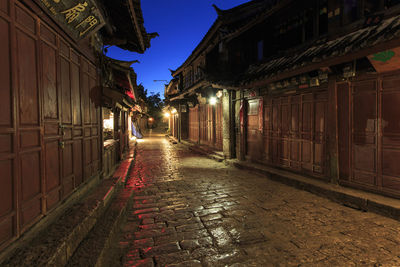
51	117
369	133
210	127
254	129
218	126
31	200
194	124
294	136
8	129
203	123
295	131
344	130
364	134
390	133
43	92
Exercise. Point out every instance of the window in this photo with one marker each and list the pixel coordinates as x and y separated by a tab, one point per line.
323	17
350	11
390	3
260	50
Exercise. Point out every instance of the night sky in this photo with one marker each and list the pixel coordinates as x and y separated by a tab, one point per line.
181	25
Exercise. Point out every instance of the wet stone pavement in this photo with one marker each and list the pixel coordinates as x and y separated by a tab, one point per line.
189	210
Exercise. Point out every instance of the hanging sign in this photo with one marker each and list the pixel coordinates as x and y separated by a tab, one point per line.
386	60
78	18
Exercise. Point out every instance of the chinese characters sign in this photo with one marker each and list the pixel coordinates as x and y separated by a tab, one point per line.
79	17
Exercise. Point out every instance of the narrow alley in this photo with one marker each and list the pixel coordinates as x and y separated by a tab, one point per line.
189	210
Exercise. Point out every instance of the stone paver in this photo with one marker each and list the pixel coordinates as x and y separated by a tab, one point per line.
192	211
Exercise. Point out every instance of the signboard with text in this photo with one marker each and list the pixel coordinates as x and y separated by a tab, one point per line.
79	18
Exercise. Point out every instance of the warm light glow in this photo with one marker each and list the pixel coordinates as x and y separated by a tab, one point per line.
151	119
173	111
133	138
108	124
167	114
213	100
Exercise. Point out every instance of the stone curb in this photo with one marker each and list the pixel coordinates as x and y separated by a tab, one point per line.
104	232
354	198
63	247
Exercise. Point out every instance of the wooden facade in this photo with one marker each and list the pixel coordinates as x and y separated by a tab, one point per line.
315	85
205	125
368	132
289	131
50	120
50	126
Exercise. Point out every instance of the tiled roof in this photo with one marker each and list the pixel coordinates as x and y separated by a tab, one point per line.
127	17
231	21
364	38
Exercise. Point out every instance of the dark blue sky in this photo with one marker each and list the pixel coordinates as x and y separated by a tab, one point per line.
181	25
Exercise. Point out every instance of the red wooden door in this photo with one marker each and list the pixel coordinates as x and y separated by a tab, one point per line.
295	140
194	124
210	116
364	137
344	130
294	131
203	123
390	133
45	86
369	133
8	130
218	126
254	134
30	185
51	117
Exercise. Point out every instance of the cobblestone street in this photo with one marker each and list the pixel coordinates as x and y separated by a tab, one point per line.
189	210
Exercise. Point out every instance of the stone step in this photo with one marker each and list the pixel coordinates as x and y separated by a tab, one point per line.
96	248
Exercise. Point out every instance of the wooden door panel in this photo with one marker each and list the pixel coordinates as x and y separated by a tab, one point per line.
6	144
49	82
52	170
6	188
95	155
30	175
85	97
5	77
364	148
52	165
30	211
30	186
93	93
68	173
76	96
29	139
4	7
343	100
87	158
390	136
28	86
218	126
65	92
78	162
284	152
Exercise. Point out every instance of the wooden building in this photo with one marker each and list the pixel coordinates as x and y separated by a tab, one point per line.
50	120
119	99
314	87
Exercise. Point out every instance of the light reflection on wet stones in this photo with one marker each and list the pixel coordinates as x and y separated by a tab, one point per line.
189	210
